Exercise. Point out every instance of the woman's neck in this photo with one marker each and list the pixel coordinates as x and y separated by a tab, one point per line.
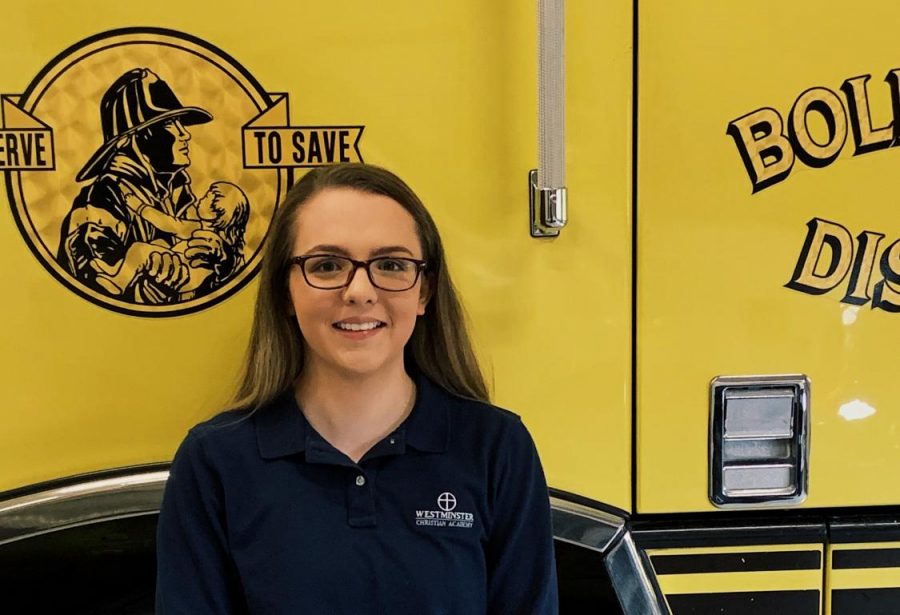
354	412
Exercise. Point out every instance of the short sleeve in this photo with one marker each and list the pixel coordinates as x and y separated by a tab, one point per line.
520	561
195	573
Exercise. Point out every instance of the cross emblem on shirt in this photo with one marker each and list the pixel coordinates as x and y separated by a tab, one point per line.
446	501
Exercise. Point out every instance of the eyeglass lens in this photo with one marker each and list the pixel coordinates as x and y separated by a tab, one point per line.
385	273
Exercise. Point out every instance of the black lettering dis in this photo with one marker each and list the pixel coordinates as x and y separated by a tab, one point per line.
808	277
886	295
861	273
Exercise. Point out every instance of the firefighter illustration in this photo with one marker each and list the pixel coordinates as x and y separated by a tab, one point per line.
137	231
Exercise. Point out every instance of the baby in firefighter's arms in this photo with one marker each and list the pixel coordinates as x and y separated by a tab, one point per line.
224	210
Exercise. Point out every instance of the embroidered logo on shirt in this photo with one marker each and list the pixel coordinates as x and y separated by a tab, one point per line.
447	501
447	516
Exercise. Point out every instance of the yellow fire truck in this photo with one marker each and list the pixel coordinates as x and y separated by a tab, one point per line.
692	301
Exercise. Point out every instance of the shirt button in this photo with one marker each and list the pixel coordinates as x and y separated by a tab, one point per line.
360	480
393	441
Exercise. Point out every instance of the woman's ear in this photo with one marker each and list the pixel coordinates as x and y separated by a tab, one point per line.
424	295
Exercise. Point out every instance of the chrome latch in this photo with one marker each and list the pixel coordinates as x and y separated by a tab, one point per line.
548	208
759	440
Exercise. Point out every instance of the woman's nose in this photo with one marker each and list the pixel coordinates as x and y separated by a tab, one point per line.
360	289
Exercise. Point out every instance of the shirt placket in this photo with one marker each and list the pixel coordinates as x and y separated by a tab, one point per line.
361	498
360	477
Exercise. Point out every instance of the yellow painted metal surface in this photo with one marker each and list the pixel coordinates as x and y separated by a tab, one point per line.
723	288
726	582
446	96
872	578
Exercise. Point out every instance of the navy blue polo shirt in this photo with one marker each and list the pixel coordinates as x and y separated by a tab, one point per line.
449	514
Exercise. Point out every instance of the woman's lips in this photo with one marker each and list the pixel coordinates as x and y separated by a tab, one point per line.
358	330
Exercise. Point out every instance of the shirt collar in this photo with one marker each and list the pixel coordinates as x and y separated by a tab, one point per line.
282	430
428	425
280	427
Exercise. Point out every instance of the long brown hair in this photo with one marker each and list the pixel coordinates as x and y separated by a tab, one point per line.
439	347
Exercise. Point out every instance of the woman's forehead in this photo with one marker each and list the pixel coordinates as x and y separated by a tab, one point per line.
358	222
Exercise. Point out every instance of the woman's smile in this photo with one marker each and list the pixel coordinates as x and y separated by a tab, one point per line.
359	328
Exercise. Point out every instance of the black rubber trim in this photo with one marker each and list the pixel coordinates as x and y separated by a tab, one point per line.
634	256
714	532
866	558
799	602
865	601
736	562
850	515
865	528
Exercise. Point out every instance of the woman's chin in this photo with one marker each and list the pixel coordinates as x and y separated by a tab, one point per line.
362	365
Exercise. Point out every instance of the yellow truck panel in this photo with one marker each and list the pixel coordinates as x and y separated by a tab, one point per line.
725	283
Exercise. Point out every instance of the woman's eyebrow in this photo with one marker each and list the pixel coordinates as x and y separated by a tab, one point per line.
333	249
390	250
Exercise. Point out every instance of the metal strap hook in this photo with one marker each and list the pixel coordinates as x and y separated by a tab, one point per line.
547	184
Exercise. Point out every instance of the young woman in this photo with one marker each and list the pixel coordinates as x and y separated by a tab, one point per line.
365	471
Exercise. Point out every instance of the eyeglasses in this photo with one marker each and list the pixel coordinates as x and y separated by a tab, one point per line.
328	272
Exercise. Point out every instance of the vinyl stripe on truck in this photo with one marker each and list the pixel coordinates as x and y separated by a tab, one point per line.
741	580
864	578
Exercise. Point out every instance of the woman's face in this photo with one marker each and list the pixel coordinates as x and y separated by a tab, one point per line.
361	226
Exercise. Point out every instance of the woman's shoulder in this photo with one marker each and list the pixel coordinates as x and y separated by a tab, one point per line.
230	420
483	413
486	423
244	428
229	430
493	437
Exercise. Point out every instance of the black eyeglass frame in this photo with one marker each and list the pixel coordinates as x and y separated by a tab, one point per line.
420	265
